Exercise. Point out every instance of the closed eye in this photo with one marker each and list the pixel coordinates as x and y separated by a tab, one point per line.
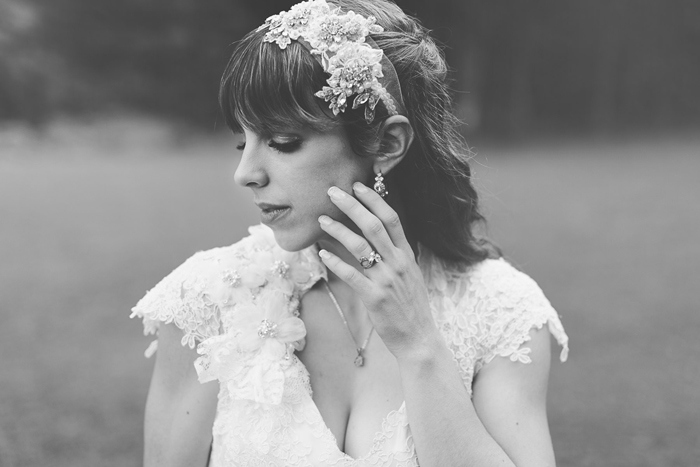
290	146
285	147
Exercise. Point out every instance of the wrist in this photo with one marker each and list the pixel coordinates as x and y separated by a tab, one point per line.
425	354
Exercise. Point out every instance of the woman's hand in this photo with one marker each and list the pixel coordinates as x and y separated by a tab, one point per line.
393	289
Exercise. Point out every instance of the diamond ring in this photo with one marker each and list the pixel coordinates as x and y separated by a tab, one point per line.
369	261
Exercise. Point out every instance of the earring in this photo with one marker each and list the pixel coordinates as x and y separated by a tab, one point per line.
379	186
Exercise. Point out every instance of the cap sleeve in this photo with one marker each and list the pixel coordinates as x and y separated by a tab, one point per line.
510	305
181	298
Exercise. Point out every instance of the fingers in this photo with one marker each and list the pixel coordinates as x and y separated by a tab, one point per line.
386	215
351	276
354	243
371	226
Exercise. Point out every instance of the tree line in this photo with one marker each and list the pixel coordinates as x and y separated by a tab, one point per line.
518	67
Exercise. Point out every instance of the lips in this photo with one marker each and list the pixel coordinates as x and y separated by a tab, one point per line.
272	213
268	207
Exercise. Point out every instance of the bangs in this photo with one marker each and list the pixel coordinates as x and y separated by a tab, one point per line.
265	88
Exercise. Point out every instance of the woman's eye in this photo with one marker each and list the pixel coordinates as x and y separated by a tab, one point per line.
240	146
291	146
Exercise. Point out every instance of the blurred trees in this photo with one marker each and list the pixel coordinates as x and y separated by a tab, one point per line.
520	67
159	56
567	65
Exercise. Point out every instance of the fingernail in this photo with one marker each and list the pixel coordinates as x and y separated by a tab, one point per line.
336	193
360	188
325	220
324	254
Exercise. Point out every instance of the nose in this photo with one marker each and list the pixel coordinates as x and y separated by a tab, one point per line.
250	171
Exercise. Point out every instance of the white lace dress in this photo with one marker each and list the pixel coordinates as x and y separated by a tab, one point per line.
239	305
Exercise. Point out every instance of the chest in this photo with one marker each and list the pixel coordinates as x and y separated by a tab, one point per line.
352	401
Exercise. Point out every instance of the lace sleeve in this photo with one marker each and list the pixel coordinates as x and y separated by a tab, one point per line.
510	305
180	298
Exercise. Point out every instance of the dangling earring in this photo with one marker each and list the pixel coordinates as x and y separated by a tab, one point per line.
379	186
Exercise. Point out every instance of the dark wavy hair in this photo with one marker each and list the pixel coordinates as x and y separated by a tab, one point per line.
265	88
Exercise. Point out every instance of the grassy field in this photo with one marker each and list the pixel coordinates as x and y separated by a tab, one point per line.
91	218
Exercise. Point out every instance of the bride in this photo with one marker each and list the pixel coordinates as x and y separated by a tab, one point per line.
363	323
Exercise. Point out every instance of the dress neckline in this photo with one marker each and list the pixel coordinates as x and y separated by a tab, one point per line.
378	435
311	254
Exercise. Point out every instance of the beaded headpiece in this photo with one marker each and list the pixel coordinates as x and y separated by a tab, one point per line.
341	43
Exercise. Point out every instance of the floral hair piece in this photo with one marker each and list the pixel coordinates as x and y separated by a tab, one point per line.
341	43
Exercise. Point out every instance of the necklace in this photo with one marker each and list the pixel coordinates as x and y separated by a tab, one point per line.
360	359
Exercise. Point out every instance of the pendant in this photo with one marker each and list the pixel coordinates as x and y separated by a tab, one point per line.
359	360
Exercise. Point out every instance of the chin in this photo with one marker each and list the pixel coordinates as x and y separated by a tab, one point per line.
296	239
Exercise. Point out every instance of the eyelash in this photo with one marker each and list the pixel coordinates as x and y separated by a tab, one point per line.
279	147
285	147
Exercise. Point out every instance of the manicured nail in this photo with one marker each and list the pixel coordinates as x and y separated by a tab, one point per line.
336	193
325	220
324	254
360	188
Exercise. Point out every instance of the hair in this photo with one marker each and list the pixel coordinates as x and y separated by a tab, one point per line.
265	87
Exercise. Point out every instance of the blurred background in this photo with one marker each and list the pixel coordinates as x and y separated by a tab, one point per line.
115	166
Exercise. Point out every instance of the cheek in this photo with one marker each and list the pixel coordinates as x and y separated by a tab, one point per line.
331	162
334	172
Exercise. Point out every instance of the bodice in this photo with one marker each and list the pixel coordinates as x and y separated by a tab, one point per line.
239	305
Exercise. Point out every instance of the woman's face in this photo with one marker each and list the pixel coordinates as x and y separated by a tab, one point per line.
290	174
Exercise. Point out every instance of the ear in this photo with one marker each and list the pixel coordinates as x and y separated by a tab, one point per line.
395	137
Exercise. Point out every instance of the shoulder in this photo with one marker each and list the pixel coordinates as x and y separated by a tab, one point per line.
194	294
182	298
495	305
500	283
491	282
510	304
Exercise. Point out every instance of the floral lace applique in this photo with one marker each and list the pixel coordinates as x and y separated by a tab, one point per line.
201	295
252	357
180	298
487	311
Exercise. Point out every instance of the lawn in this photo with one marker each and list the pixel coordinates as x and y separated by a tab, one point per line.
92	218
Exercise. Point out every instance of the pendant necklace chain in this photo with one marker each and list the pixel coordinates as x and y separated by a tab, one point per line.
360	359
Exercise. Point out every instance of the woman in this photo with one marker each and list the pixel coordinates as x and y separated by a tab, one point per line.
356	327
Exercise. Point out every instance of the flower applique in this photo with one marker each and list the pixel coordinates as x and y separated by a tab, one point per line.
257	294
252	357
289	25
268	325
231	277
330	32
354	71
340	40
241	277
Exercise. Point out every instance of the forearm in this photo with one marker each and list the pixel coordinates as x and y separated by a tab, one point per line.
445	427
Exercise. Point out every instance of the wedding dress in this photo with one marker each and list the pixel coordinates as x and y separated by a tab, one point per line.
239	306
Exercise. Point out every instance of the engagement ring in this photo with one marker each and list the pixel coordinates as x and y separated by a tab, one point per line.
368	262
